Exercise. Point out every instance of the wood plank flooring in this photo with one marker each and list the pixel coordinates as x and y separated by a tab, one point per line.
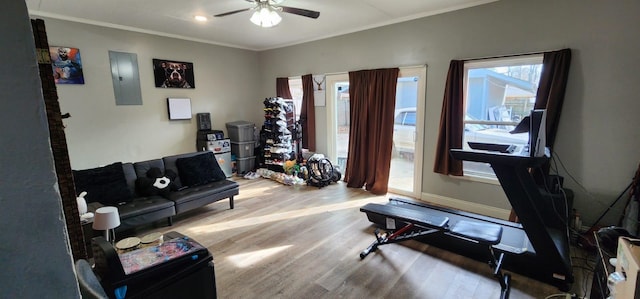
304	242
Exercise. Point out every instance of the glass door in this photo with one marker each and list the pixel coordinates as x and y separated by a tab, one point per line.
338	113
406	166
405	176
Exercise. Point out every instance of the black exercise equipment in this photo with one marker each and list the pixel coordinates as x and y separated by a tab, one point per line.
543	217
417	223
424	224
537	247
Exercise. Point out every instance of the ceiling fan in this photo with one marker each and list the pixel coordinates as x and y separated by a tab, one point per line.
266	12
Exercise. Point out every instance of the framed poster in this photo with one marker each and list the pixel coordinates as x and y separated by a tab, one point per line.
173	74
179	108
66	64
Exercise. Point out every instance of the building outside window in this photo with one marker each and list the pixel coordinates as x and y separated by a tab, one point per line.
498	94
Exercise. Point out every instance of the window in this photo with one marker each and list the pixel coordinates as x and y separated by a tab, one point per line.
406	118
295	87
498	94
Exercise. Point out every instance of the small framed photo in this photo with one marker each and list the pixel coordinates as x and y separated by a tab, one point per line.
173	74
179	108
66	64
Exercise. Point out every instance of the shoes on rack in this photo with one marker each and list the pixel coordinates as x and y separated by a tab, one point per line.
284	139
284	130
279	150
281	102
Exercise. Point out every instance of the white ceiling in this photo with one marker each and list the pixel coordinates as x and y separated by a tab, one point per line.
176	18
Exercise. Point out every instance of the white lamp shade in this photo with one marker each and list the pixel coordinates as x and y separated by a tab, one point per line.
106	218
265	17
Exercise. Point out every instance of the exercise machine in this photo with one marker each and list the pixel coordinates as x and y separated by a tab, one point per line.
537	247
422	223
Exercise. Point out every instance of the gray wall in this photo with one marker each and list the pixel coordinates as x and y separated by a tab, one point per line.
35	256
100	132
598	137
597	140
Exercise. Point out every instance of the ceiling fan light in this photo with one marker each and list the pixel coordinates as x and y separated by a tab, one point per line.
265	17
274	18
200	18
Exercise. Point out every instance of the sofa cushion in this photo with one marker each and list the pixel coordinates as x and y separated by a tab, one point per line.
198	196
208	189
106	185
144	210
199	170
144	166
143	205
130	176
170	163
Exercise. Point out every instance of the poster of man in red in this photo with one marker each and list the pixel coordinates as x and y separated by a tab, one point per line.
67	65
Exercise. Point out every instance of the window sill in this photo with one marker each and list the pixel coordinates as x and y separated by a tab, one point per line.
478	178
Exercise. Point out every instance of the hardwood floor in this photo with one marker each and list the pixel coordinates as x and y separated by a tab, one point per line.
304	242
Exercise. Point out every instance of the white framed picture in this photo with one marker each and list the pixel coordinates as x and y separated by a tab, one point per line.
179	108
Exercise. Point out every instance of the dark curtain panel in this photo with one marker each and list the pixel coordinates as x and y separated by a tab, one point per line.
372	95
282	88
553	83
451	121
308	114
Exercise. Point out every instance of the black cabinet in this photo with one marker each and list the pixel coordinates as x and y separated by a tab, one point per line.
179	267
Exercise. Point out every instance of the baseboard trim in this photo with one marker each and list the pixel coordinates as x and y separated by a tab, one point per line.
466	206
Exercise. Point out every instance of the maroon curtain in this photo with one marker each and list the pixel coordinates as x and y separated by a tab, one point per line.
553	83
550	96
451	121
308	114
372	100
282	88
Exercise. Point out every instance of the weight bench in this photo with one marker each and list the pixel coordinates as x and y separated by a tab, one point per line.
420	223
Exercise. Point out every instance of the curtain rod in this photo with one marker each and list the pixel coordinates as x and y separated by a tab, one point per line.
507	55
346	72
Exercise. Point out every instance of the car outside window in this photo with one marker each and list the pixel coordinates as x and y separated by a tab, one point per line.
498	94
399	119
404	131
410	119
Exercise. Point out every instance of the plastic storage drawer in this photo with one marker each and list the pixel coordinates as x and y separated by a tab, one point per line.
240	131
243	149
245	165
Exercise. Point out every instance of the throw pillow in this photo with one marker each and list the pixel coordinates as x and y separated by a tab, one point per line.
156	183
106	185
199	170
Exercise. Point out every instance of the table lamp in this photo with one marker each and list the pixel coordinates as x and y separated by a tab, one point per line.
106	218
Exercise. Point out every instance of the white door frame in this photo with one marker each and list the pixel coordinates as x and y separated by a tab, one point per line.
332	130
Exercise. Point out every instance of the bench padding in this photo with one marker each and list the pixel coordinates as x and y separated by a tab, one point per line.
484	233
407	215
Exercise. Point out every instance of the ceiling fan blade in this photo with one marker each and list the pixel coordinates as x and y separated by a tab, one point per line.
301	12
232	12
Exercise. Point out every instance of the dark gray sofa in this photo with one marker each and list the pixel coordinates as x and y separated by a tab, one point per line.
108	186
